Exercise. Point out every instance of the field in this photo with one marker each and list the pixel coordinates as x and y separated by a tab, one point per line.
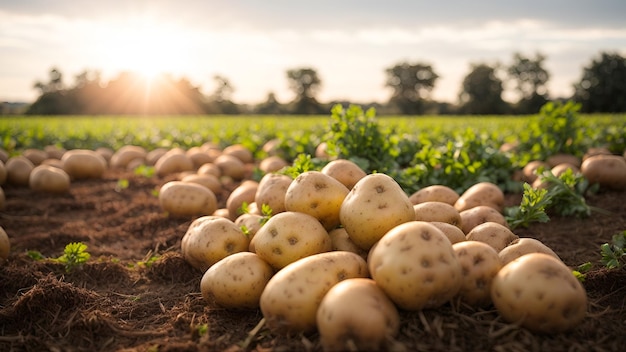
137	293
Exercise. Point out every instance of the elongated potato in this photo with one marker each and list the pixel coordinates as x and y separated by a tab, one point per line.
373	206
289	236
435	193
415	265
540	293
292	297
607	170
244	193
237	281
356	313
318	195
344	171
124	155
521	246
83	164
453	233
18	169
45	178
209	239
175	160
482	193
481	214
340	241
186	199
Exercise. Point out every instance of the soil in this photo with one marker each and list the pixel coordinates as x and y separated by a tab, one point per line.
137	293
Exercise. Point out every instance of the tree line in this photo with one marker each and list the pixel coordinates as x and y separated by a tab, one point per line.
602	88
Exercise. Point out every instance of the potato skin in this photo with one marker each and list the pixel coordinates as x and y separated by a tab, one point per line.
244	193
479	265
494	234
18	169
373	206
5	245
292	297
237	281
539	292
344	171
357	313
83	164
522	246
209	239
271	191
44	178
415	265
453	233
481	214
289	236
437	211
435	193
186	199
482	193
607	170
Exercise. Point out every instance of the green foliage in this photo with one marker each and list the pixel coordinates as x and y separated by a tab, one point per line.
266	212
566	193
581	271
74	255
614	254
531	209
35	255
301	164
145	171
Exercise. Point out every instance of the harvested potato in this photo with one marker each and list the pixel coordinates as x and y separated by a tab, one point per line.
292	297
209	239
18	170
437	211
271	191
607	170
454	233
237	281
530	170
540	293
272	147
54	152
4	155
596	151
272	164
210	169
230	166
251	222
3	173
521	246
199	156
209	181
318	195
479	265
154	155
482	193
375	205
289	236
340	241
559	169
36	156
357	314
415	265
475	216
5	245
187	199
321	151
344	171
84	164
244	193
105	152
175	160
435	193
240	152
121	158
45	178
562	158
2	199
494	234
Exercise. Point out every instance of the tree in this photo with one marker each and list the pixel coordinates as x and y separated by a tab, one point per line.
530	80
222	96
305	84
411	84
482	92
602	87
270	106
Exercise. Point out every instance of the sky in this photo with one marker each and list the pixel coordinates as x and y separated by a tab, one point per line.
253	43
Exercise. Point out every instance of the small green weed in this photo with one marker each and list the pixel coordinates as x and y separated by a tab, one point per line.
614	253
74	255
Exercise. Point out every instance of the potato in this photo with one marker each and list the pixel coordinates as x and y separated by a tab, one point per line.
18	170
175	160
83	164
475	216
271	147
415	265
45	178
596	151
240	152
540	293
199	156
187	199
209	181
2	199
271	191
482	193
494	234
318	195
289	236
607	170
3	173
557	159
230	166
237	281
106	153
154	155
375	205
209	239
340	241
36	156
559	169
521	246
437	211
530	170
292	297
244	193
357	314
344	171
321	151
272	164
479	265
435	193
121	158
454	233
5	245
252	224
210	169
4	155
